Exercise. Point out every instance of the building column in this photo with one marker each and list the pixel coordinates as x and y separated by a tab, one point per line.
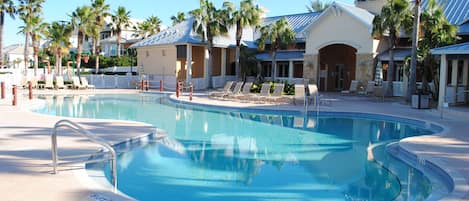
443	72
189	63
454	73
290	71
206	55
223	64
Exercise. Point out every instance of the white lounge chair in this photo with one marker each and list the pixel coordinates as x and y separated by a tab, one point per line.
313	94
226	90
245	92
49	82
299	94
236	90
353	88
76	83
277	95
85	83
370	87
59	82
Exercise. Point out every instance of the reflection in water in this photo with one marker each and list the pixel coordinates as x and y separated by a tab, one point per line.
232	155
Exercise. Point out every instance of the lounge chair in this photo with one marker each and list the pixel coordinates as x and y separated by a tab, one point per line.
59	82
236	90
33	82
226	90
370	87
49	82
76	83
353	88
277	95
299	94
84	82
264	93
245	92
313	94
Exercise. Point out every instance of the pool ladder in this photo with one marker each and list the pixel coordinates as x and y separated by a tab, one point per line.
93	138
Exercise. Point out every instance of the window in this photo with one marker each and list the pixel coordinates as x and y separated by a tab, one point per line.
266	69
298	69
282	69
181	51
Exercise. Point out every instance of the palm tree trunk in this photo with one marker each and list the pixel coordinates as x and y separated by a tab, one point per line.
118	44
274	65
210	62
26	54
2	22
57	60
79	49
35	53
96	53
413	62
239	35
390	75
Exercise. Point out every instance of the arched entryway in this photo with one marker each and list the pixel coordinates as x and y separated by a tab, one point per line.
337	67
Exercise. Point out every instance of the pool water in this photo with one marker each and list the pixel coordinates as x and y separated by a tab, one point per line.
228	154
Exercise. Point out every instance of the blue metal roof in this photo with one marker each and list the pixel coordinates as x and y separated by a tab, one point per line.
456	11
285	55
464	28
462	48
298	22
399	54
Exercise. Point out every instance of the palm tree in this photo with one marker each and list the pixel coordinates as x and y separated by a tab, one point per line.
6	7
120	20
413	63
392	19
150	26
178	18
247	15
28	10
82	20
37	28
317	5
277	34
58	34
209	23
100	11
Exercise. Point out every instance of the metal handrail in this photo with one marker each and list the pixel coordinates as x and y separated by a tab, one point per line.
80	130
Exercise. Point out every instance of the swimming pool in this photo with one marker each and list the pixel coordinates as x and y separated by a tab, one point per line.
230	154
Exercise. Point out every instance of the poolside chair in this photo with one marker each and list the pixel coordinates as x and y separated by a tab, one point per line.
76	83
313	94
33	81
264	93
353	88
226	90
277	95
59	82
84	82
236	90
245	92
49	82
370	87
299	94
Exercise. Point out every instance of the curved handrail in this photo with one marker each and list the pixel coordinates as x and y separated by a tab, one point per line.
80	130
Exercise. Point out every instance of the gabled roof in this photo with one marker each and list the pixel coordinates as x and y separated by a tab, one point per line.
362	15
16	49
462	48
298	22
399	54
456	11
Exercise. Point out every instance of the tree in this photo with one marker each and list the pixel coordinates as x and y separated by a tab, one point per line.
277	34
58	35
120	20
150	26
247	15
392	19
178	18
6	7
436	31
100	11
82	20
28	10
316	6
209	23
413	64
37	29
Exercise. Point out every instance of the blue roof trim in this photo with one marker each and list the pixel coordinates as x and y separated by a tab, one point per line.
288	55
464	28
462	48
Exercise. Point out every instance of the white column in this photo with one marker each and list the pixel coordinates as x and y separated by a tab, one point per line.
443	72
290	71
465	73
206	55
223	64
189	63
454	73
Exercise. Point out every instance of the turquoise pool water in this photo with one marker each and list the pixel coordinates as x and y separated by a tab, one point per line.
228	154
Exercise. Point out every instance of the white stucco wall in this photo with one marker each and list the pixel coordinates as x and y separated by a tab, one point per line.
157	60
339	28
373	6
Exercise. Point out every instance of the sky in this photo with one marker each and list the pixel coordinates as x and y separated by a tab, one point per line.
59	10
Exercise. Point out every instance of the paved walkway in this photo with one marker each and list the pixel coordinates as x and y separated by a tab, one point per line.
25	145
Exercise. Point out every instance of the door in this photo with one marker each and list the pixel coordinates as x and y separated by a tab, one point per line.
340	76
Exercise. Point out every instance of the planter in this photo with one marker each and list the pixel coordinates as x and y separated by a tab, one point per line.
420	101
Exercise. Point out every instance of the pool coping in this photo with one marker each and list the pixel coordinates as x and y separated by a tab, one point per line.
458	183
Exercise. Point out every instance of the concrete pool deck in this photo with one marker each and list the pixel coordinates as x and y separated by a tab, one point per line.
25	144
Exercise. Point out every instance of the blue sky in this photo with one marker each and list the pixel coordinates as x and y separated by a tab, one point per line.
56	10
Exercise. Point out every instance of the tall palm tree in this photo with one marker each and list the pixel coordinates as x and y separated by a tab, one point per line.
178	18
82	20
37	29
389	23
58	35
247	15
6	7
150	26
413	62
277	34
317	5
29	9
100	11
120	20
209	23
